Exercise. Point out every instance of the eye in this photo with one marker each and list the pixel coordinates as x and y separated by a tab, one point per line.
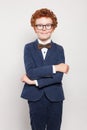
50	24
39	25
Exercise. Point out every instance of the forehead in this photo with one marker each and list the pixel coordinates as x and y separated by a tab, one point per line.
43	20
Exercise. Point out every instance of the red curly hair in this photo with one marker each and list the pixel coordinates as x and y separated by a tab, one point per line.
44	12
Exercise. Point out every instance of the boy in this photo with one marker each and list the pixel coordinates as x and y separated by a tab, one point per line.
44	64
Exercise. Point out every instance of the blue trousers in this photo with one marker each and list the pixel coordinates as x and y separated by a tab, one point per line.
45	115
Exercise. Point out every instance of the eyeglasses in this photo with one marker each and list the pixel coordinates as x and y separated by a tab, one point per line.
41	26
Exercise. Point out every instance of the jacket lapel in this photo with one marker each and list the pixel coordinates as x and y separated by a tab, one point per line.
37	54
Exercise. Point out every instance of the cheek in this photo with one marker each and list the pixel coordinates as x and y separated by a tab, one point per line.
37	31
50	31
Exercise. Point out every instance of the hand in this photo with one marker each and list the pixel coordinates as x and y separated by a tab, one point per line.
25	79
62	68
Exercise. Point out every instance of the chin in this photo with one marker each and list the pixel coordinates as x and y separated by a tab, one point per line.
43	39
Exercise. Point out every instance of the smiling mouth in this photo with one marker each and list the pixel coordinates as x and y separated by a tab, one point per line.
44	33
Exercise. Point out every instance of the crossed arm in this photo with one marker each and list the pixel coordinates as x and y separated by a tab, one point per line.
64	68
43	75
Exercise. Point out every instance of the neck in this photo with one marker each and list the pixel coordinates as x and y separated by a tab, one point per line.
44	41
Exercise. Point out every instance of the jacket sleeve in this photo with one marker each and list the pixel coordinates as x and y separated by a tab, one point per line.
56	78
31	70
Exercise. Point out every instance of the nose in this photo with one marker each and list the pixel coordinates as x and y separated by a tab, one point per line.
44	28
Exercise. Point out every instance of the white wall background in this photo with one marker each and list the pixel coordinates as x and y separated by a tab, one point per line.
15	32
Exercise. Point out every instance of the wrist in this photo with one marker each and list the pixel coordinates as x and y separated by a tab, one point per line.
56	68
32	82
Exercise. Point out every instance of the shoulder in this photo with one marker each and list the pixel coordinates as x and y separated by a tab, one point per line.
29	45
58	46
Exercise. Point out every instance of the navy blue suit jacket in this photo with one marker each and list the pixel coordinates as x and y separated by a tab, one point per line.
41	70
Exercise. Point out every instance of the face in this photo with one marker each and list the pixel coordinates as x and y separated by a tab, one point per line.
44	28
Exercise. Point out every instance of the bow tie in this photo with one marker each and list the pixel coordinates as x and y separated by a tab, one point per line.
40	46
